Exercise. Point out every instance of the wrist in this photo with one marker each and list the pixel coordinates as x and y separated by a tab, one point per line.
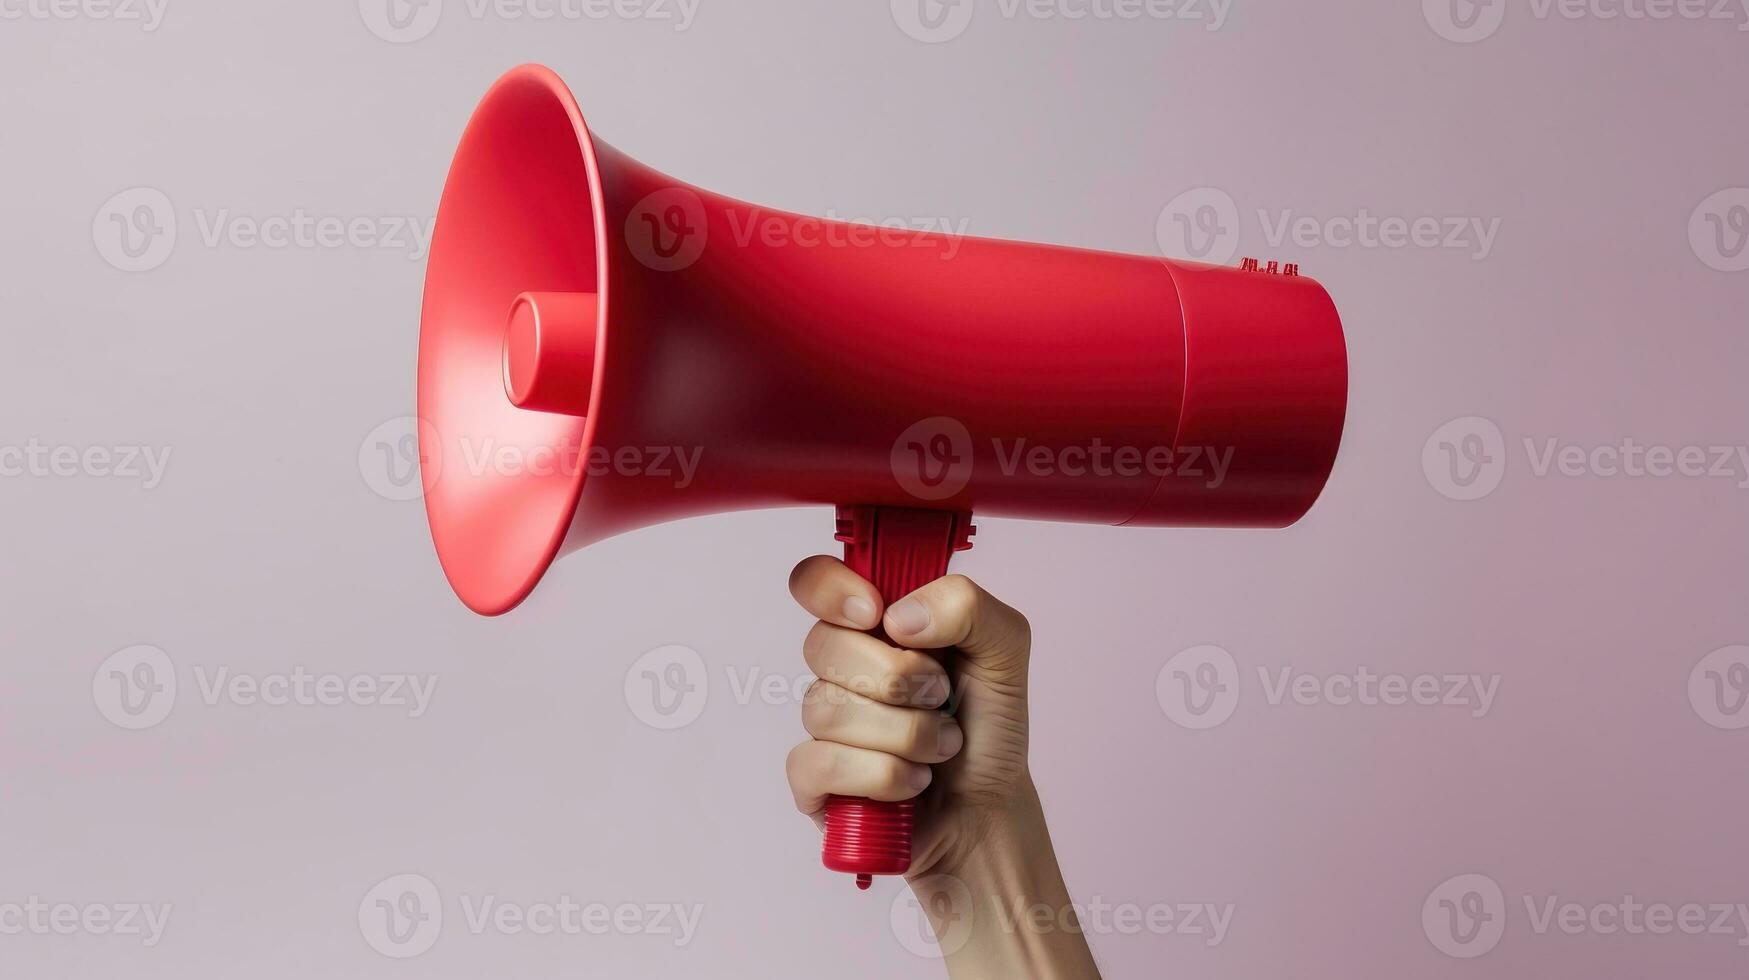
994	836
998	904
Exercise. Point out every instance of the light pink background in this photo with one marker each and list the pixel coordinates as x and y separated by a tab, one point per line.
1592	320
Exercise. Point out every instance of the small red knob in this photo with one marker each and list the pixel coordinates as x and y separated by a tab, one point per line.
549	352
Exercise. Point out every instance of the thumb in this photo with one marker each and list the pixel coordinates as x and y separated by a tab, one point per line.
955	612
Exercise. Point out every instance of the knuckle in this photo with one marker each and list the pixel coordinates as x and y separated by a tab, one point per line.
960	596
818	701
827	709
901	677
814	765
815	713
929	679
932	690
922	733
815	644
960	590
809	578
893	774
845	681
795	766
891	686
799	574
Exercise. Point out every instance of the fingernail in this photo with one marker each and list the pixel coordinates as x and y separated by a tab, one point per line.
932	693
920	777
909	616
859	611
951	739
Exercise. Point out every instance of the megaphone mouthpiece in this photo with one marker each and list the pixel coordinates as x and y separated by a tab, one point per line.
549	351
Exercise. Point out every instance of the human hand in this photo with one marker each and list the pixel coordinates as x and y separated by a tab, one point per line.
883	713
875	713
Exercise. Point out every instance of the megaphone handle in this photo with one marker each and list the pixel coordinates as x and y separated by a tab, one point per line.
899	549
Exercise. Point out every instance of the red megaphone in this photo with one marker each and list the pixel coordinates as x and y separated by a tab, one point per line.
604	348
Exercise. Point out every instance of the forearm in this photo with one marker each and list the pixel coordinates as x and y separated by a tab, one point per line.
1001	910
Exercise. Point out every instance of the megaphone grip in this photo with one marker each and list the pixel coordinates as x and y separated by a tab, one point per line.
899	550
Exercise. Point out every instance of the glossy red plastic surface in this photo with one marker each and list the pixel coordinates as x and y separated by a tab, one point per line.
810	362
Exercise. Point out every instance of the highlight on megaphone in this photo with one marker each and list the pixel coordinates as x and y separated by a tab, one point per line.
580	305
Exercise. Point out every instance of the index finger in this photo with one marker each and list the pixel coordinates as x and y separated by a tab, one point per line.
830	591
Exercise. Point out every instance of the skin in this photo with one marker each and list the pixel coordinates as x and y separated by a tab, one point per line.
879	731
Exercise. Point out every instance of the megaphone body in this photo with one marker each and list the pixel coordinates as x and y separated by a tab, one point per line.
587	318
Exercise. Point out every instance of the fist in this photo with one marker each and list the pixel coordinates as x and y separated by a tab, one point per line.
939	713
